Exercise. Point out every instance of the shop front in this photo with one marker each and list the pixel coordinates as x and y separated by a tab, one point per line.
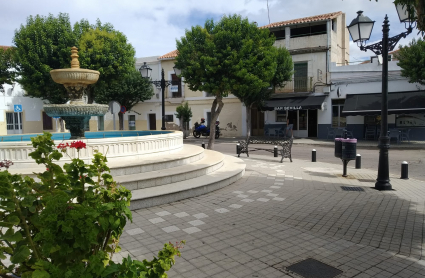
302	113
406	113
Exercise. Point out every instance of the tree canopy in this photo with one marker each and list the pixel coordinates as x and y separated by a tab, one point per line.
7	74
44	44
228	56
412	61
282	73
133	88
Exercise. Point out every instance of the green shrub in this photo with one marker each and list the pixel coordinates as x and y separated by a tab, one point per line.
68	222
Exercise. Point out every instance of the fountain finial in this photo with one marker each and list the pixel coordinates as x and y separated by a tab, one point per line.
75	64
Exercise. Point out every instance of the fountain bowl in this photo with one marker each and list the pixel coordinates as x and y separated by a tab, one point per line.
81	110
74	76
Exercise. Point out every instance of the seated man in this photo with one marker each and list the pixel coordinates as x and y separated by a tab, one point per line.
289	127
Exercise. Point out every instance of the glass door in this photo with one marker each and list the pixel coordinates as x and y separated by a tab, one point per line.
14	122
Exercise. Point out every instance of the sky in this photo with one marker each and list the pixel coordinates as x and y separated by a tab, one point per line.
152	26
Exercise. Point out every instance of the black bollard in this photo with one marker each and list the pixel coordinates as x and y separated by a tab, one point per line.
358	161
275	151
313	155
203	145
404	170
238	148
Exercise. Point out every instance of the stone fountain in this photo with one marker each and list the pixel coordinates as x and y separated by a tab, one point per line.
77	112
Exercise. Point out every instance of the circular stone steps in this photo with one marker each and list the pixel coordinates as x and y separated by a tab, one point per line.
233	168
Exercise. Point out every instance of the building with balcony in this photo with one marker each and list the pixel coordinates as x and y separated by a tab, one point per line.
313	42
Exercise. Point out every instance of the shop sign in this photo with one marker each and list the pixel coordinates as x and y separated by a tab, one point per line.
410	120
280	108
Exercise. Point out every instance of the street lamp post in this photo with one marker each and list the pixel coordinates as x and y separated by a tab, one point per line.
146	72
360	30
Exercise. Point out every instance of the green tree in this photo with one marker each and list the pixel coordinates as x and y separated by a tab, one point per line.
250	97
412	61
184	114
42	45
7	74
132	89
106	50
230	55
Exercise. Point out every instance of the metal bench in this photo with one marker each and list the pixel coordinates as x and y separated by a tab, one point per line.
285	144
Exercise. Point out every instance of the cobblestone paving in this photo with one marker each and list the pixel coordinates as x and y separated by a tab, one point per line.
279	214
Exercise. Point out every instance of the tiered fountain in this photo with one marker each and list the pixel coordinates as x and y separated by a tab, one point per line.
76	113
123	146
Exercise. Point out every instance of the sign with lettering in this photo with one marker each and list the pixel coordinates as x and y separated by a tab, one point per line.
285	108
174	88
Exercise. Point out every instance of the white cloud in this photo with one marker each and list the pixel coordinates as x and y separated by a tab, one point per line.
153	26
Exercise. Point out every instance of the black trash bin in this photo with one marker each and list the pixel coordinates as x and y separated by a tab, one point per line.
338	147
349	149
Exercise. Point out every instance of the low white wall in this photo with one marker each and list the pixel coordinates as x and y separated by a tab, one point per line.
116	149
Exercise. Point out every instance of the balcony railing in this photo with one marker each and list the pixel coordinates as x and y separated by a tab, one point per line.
297	85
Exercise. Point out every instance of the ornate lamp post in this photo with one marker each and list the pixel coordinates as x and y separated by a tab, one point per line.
146	72
360	30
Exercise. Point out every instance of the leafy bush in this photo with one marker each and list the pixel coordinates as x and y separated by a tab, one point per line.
68	222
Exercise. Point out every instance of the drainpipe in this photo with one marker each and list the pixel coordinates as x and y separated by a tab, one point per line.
329	31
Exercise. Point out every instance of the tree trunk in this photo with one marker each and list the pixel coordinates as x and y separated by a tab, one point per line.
215	112
248	121
90	95
121	120
182	127
62	124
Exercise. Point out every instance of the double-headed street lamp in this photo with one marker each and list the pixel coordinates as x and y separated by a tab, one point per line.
360	30
146	72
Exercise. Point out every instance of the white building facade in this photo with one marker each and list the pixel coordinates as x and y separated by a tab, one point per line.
354	101
314	43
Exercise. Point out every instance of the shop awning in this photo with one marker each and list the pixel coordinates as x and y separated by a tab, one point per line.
297	103
398	103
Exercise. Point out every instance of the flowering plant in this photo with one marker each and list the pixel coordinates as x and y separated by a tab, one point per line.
6	164
78	145
68	223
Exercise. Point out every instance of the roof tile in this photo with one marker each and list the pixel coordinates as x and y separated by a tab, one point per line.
303	20
4	47
169	55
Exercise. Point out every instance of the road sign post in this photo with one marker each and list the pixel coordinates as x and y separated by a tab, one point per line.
18	109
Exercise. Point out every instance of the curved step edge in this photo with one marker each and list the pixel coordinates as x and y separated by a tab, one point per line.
232	170
211	162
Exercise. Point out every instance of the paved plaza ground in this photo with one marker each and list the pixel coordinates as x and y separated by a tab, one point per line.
279	214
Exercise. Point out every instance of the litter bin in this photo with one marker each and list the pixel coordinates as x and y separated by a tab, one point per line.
349	149
338	147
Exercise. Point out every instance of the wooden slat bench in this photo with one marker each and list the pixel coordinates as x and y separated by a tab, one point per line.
284	143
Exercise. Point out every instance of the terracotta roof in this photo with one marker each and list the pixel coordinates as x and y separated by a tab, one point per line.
4	47
170	55
303	20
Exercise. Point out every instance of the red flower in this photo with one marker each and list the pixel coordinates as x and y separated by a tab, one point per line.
63	147
78	145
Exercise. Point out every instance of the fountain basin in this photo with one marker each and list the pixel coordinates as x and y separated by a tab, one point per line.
124	146
74	76
79	110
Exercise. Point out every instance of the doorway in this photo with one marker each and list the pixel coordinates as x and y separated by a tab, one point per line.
152	121
14	122
257	122
312	123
